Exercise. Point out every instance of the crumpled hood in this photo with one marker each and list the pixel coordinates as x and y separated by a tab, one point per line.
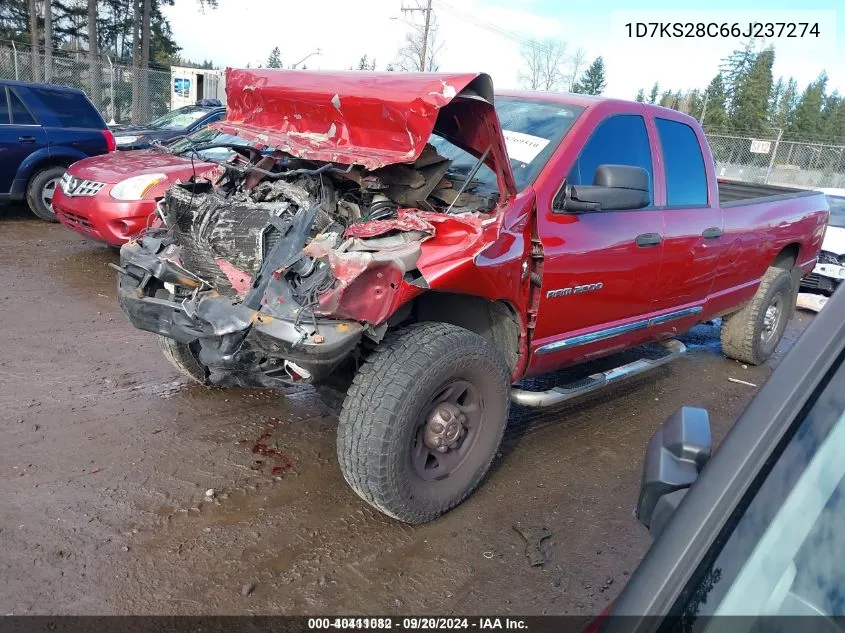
364	118
834	240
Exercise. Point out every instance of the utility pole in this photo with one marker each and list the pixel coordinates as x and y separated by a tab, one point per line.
704	107
424	51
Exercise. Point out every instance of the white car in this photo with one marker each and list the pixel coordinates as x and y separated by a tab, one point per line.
830	269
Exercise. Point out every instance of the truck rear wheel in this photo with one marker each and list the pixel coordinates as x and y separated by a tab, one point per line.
40	190
751	334
423	420
183	358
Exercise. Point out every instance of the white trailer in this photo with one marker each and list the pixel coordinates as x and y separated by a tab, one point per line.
189	85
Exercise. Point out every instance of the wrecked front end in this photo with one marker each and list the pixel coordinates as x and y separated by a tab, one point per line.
286	263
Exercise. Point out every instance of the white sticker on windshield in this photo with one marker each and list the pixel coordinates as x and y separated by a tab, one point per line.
523	147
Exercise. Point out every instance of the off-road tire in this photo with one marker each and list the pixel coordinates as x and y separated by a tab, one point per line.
183	358
388	398
741	330
34	188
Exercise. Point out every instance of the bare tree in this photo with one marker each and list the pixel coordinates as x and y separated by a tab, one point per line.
531	76
48	41
421	47
577	61
543	64
93	53
33	39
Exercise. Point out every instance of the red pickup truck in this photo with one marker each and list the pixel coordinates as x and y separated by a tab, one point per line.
435	246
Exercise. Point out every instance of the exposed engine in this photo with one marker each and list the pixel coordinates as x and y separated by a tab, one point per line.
260	218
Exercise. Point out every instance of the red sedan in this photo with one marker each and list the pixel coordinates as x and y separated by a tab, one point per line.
110	198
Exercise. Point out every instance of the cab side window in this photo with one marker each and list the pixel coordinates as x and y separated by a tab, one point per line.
686	178
621	139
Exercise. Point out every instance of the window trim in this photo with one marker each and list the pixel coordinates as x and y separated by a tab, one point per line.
8	105
667	206
590	138
11	90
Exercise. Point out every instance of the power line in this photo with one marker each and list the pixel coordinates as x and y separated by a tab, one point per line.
426	28
488	26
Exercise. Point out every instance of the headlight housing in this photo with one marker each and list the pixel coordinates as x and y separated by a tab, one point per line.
125	140
136	187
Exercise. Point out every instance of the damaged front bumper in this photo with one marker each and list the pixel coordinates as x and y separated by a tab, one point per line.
239	345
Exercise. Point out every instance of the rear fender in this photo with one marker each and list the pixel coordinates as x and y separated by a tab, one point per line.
38	160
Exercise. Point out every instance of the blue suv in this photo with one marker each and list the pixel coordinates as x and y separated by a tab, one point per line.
43	129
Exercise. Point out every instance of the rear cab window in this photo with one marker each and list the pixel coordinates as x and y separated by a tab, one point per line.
686	177
70	109
621	139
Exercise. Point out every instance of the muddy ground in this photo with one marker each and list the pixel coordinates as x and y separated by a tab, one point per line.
106	457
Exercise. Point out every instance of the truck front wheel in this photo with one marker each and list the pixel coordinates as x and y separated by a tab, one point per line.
751	334
423	420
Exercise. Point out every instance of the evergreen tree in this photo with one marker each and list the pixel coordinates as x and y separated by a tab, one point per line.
716	115
365	64
676	100
807	119
786	105
275	58
640	95
752	91
836	123
833	117
593	81
655	90
734	69
694	104
778	91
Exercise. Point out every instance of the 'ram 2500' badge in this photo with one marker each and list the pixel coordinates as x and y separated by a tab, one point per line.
574	290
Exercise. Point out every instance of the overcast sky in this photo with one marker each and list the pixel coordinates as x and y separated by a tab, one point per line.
245	31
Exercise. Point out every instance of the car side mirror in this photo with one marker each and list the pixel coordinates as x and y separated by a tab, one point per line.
676	453
614	188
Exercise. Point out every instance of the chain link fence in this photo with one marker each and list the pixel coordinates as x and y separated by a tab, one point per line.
125	94
121	93
770	159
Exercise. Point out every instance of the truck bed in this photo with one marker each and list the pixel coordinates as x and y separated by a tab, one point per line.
734	193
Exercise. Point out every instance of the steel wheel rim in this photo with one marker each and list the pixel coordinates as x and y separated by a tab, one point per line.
48	191
772	319
430	465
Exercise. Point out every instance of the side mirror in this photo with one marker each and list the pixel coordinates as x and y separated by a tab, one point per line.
615	188
676	453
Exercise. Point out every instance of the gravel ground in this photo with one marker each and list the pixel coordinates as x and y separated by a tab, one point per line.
107	456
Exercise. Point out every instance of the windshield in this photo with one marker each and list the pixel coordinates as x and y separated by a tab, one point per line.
204	137
837	211
532	131
784	555
178	119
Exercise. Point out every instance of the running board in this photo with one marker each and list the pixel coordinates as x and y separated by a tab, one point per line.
557	395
